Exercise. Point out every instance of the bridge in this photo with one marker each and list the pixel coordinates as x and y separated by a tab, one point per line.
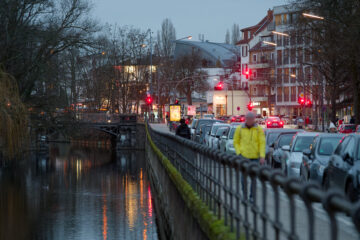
214	205
122	126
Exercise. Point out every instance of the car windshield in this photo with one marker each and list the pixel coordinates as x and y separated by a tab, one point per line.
232	132
274	119
302	143
214	129
202	122
328	145
272	137
285	140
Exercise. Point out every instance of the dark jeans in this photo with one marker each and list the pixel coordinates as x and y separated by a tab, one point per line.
252	186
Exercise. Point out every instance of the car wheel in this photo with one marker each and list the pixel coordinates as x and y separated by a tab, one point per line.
351	192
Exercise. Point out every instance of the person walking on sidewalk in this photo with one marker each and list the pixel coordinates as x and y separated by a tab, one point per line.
183	130
249	143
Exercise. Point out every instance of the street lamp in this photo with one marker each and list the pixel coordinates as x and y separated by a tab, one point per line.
281	33
308	15
270	43
188	37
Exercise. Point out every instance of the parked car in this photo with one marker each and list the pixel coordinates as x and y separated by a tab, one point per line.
274	122
192	129
204	131
227	141
282	140
238	118
224	118
292	158
222	131
343	170
208	116
271	135
201	122
346	128
213	131
316	159
358	129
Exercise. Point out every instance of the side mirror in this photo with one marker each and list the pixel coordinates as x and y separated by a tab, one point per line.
348	159
307	152
286	148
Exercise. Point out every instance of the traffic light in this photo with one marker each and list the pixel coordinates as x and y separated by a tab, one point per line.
247	74
301	101
176	102
308	103
250	106
219	86
149	99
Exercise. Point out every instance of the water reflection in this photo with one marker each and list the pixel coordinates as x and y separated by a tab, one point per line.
78	193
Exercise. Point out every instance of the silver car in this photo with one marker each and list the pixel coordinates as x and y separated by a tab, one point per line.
214	128
227	141
222	131
293	153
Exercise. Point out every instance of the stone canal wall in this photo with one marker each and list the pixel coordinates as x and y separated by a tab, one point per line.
180	212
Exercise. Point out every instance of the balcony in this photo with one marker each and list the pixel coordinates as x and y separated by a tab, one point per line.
263	63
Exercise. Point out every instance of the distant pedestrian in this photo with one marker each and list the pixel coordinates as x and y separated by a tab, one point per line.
249	143
332	128
183	130
300	123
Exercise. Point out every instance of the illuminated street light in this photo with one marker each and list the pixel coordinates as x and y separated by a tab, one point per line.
293	75
280	33
103	53
308	15
188	37
143	45
270	43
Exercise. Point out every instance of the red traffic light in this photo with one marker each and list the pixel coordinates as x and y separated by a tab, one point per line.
250	106
301	101
247	74
219	86
176	101
308	103
149	99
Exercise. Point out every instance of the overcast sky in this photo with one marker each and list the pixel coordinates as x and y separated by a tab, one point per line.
190	17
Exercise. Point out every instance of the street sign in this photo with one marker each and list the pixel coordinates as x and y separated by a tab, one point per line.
191	110
175	113
301	95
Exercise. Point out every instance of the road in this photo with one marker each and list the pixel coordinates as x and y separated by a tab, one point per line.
346	229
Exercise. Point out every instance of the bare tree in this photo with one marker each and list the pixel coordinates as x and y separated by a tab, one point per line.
166	38
227	37
235	33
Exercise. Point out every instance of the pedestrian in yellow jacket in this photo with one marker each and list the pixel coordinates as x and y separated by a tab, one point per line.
249	140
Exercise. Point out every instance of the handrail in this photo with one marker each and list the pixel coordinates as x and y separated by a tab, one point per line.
217	178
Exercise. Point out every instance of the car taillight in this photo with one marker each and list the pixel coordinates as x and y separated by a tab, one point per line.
242	119
233	119
268	123
281	123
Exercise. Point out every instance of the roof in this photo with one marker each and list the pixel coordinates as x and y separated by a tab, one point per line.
225	53
309	134
256	29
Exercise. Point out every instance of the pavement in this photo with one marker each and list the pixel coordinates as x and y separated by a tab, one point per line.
346	229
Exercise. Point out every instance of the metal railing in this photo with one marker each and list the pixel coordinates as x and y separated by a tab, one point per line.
280	208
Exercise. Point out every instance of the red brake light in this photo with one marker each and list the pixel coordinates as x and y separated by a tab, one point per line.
268	123
281	123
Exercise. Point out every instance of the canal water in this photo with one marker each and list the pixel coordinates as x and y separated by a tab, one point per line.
78	192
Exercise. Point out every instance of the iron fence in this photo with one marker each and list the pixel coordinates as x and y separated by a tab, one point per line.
280	207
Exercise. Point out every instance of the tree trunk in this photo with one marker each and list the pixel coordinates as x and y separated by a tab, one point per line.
333	104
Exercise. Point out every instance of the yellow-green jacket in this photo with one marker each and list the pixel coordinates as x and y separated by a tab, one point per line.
249	142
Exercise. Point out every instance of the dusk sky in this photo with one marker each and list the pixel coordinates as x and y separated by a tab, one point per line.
190	17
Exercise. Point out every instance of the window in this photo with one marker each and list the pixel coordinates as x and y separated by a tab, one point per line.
286	56
286	94
328	145
254	73
255	93
285	19
277	20
254	58
350	148
242	51
279	40
293	75
293	94
286	75
279	76
303	143
279	57
340	149
286	40
292	56
279	94
307	56
249	34
300	57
